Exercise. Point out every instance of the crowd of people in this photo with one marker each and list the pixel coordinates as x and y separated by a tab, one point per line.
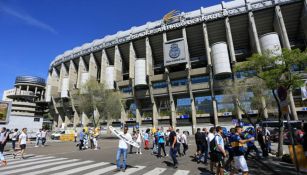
88	138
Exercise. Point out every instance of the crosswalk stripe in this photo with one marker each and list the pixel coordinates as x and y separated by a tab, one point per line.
35	167
11	159
59	167
75	170
155	171
131	170
17	161
31	163
102	170
181	172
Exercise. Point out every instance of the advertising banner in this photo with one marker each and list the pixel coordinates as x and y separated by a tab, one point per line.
5	109
304	91
174	52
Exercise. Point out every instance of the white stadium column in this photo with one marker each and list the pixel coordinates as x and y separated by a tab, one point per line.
230	40
118	65
63	74
210	69
257	48
93	67
81	69
193	108
280	27
170	93
150	73
104	65
132	58
72	75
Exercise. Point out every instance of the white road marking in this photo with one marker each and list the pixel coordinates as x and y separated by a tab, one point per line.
102	170
131	170
155	171
17	161
35	167
181	172
76	170
59	167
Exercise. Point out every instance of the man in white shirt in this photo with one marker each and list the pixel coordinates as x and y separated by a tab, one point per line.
210	138
122	151
23	138
38	137
44	135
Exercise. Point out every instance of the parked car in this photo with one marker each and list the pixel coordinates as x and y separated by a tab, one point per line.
56	135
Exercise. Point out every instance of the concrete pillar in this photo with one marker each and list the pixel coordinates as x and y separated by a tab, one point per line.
132	57
280	27
118	65
84	119
150	73
72	75
27	88
193	108
210	70
35	91
170	93
63	74
254	33
93	68
104	65
81	69
230	41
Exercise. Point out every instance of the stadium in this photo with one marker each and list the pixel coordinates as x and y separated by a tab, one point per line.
173	71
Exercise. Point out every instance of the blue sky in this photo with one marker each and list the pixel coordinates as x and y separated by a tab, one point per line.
34	32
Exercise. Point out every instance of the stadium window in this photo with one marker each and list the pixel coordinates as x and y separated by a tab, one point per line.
200	79
179	82
159	85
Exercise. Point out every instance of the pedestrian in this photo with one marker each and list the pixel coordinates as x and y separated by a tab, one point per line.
261	140
76	135
173	146
203	146
22	142
184	142
96	134
14	138
251	144
134	137
229	148
122	151
44	136
167	137
139	141
155	141
3	139
81	137
198	138
38	137
218	152
91	136
146	139
179	142
210	138
238	149
161	143
304	142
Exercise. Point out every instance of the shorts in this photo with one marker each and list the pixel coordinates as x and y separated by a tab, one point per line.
23	146
240	163
217	157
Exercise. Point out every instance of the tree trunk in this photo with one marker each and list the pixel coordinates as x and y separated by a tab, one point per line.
281	127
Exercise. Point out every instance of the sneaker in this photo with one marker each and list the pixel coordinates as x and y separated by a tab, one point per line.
175	166
137	153
140	153
14	155
123	170
116	170
36	146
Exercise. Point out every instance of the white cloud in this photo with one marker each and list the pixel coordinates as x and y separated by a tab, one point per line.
27	19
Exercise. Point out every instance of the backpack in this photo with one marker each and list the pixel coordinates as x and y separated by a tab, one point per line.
213	145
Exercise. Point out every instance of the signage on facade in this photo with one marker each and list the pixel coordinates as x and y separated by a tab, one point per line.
182	22
5	110
174	52
304	91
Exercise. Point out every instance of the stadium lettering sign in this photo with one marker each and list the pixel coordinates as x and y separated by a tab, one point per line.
166	27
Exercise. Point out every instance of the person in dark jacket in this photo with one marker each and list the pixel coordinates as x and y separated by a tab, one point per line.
198	143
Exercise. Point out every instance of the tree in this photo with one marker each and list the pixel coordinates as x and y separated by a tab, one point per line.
93	96
245	95
276	71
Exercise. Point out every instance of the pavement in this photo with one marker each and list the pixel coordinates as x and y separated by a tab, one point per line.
65	158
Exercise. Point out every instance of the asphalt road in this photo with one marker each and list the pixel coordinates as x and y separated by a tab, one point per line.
104	158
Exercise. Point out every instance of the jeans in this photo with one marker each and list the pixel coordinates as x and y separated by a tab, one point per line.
120	152
43	141
204	153
81	145
37	140
13	144
161	145
173	153
178	148
185	147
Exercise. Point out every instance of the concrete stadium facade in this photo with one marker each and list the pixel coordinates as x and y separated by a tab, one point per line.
172	71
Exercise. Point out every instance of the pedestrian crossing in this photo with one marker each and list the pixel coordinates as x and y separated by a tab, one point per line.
51	165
